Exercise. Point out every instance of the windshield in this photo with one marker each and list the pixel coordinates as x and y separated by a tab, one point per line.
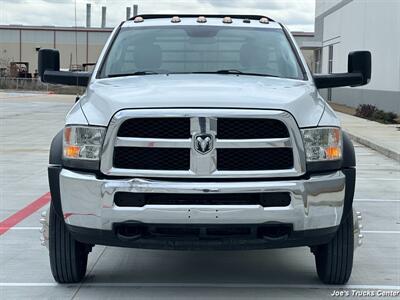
201	49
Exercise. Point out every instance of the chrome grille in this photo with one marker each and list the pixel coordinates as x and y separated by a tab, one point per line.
273	147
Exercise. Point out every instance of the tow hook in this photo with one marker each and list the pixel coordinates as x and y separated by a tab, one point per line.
358	236
44	220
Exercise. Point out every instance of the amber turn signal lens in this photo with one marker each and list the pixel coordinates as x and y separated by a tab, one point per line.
71	151
333	153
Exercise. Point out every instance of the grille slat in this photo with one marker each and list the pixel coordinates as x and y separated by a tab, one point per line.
254	159
238	128
169	128
152	158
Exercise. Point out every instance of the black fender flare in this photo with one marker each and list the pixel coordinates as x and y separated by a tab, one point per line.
349	156
349	170
56	148
54	169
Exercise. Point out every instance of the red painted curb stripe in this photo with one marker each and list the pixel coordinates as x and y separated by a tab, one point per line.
14	219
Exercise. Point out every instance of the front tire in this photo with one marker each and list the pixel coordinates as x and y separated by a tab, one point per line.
334	261
68	257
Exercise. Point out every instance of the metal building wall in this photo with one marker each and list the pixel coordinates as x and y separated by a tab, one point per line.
9	46
96	44
22	45
350	25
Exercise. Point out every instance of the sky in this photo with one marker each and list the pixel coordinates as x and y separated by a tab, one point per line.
298	15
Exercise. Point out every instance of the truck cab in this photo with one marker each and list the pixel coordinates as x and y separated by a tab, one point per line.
202	132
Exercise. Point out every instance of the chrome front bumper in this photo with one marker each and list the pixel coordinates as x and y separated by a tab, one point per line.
88	202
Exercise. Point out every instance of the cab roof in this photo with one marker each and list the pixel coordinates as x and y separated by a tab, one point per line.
191	19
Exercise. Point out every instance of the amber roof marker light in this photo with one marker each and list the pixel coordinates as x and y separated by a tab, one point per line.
175	19
201	19
227	20
138	20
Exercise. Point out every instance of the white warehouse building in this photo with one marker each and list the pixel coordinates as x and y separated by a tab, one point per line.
342	26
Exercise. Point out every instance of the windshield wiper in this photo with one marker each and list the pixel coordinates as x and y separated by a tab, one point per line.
137	73
234	71
227	71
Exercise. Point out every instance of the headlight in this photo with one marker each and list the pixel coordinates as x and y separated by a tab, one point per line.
322	144
83	142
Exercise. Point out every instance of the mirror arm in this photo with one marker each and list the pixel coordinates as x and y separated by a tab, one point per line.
66	77
323	81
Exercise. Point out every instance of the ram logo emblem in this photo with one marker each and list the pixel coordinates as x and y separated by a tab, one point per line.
203	143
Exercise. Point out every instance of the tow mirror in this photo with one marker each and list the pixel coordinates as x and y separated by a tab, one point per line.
359	72
49	70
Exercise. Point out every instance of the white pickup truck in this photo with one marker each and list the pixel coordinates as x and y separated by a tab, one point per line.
202	132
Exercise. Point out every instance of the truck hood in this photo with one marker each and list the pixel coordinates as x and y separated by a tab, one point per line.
105	97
